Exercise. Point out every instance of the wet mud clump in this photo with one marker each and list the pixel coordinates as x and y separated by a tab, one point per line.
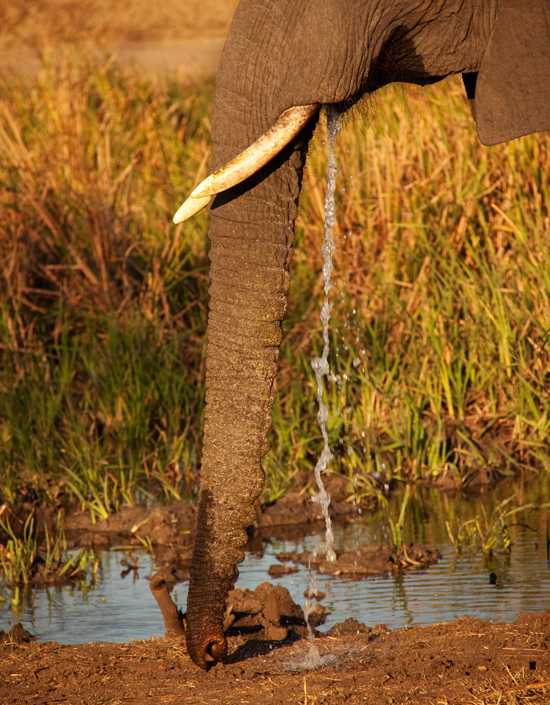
367	560
162	525
352	627
278	570
298	507
268	612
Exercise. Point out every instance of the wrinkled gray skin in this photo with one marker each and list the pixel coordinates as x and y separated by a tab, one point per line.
282	53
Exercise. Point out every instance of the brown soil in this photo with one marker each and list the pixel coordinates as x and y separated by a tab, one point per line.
298	508
172	524
278	570
167	529
466	662
269	612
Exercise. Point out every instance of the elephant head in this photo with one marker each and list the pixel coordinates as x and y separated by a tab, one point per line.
282	60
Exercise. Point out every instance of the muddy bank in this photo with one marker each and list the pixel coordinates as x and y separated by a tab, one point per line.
367	560
294	515
463	662
167	530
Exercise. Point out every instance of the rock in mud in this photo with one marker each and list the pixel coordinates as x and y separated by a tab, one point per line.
349	627
314	594
352	627
269	612
317	615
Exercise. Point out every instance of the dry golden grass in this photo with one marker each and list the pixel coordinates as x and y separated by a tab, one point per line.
33	23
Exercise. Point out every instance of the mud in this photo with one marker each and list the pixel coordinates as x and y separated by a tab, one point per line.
277	570
297	507
269	612
368	560
167	528
172	524
464	662
16	635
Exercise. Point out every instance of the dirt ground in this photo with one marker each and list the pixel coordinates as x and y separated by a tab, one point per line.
69	21
467	662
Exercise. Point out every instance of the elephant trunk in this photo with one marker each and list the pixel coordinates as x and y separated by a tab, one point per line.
282	55
251	232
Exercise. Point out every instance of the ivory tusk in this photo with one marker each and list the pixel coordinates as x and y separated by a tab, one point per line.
249	161
189	207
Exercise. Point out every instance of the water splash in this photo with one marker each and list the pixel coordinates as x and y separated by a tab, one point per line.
320	364
309	603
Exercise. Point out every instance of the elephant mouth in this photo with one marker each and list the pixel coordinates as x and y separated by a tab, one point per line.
252	159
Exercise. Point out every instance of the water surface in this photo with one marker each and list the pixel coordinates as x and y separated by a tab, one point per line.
121	609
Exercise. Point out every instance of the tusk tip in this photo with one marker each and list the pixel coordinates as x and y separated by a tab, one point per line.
189	208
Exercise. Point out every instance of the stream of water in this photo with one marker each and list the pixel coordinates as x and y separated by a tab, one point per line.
321	364
321	367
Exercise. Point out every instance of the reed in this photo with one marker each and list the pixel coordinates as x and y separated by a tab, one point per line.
34	556
441	332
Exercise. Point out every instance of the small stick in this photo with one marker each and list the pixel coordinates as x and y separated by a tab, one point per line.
173	625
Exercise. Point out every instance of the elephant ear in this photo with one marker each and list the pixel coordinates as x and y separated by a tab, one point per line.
511	96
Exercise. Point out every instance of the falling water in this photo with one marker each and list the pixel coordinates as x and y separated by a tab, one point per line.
312	658
320	364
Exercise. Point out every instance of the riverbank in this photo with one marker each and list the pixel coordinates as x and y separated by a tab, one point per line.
440	301
459	663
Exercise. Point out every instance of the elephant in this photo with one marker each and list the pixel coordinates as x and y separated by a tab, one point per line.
282	60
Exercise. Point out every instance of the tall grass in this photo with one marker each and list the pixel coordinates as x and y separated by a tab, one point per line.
102	307
441	317
28	559
442	298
